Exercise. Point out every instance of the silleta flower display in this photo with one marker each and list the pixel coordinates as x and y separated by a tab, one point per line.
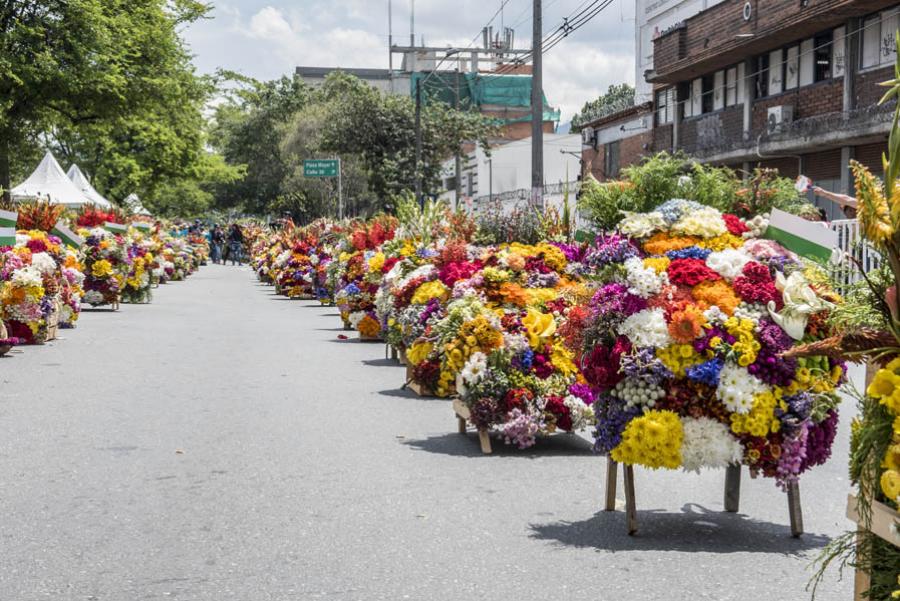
681	344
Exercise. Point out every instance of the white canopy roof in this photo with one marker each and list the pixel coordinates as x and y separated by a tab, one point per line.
84	184
49	182
133	202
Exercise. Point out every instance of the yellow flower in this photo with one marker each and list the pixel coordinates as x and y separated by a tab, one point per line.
761	419
658	264
874	211
890	484
376	262
538	327
653	440
678	357
430	290
101	268
563	359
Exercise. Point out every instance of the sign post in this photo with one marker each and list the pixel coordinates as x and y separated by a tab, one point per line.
326	168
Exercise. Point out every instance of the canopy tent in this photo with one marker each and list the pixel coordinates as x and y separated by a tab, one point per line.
50	182
84	184
134	203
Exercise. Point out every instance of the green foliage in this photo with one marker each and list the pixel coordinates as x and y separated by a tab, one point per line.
663	176
523	224
108	84
616	98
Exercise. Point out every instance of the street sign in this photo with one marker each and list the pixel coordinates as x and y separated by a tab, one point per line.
320	168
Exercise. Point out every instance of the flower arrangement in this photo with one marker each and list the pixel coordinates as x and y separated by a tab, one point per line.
681	345
107	265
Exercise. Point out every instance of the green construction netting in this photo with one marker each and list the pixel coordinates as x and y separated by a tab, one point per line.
477	90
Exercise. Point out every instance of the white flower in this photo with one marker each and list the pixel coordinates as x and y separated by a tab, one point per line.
93	297
43	263
800	301
646	328
758	225
737	387
641	225
27	277
582	415
283	258
356	317
423	271
472	372
715	316
708	443
515	343
643	281
728	263
705	222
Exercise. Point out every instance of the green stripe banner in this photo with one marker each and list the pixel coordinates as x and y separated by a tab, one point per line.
115	228
141	225
7	236
810	239
8	219
68	237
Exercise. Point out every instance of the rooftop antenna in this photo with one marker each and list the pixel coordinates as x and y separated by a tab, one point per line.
412	22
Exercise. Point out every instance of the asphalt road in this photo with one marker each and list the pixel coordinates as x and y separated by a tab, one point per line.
223	443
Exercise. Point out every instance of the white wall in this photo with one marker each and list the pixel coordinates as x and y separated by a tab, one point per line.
652	17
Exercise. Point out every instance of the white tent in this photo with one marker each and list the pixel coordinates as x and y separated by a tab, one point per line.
133	202
50	182
84	184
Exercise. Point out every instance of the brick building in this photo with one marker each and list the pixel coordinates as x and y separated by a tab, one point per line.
791	84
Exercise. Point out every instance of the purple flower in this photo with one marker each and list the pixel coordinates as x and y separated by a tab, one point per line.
583	392
610	249
612	417
819	440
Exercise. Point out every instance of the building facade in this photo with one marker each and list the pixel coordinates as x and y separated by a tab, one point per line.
791	85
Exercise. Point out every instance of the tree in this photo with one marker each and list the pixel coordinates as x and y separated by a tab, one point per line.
107	82
247	129
616	98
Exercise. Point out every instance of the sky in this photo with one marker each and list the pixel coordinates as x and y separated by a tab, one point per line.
266	39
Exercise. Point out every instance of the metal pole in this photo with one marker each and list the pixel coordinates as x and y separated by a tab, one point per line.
458	157
391	43
412	22
340	190
537	110
491	181
418	159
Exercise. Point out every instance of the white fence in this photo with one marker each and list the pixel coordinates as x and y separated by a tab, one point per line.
850	242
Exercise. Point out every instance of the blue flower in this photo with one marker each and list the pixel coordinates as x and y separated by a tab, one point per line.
691	252
707	372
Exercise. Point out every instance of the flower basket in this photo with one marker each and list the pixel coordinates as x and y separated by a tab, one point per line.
420	389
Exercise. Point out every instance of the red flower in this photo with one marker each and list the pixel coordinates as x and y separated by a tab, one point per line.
36	246
389	264
515	398
453	272
755	285
734	224
690	272
556	407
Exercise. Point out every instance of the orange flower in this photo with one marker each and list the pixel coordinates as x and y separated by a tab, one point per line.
686	324
717	293
513	294
661	243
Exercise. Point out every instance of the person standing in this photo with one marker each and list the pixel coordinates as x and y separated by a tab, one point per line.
235	244
216	241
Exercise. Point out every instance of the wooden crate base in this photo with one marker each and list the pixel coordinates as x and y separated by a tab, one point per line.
420	390
883	519
732	496
462	417
363	338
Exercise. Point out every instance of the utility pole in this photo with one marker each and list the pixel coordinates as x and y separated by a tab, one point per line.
418	161
537	110
458	157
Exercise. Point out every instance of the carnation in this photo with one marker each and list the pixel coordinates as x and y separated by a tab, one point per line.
27	277
708	443
641	225
705	222
647	328
43	263
728	263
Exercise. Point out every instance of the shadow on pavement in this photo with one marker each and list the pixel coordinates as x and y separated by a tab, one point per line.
382	362
455	444
404	393
695	529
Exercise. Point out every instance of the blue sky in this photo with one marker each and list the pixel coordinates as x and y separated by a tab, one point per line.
268	38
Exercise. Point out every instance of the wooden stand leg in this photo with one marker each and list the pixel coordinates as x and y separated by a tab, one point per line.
630	509
862	581
732	488
461	424
794	509
611	473
485	441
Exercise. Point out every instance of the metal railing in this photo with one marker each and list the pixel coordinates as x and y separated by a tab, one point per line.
864	257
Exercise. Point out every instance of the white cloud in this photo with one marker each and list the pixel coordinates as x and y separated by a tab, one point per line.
268	38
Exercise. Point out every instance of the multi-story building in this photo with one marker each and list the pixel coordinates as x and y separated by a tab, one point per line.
772	83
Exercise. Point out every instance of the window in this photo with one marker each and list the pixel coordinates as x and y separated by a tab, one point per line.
741	79
822	43
762	76
611	159
807	61
890	21
663	106
731	97
697	97
776	72
719	90
792	68
839	52
706	100
871	42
